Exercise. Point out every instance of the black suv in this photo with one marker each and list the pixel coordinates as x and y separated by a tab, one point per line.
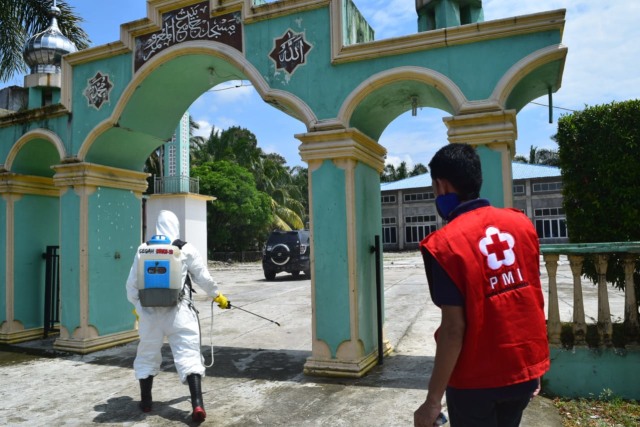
286	251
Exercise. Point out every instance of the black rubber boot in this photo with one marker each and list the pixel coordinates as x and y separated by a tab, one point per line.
195	388
145	394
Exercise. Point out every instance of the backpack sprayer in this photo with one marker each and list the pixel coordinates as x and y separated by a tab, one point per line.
160	277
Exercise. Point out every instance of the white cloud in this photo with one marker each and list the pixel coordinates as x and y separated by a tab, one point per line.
204	129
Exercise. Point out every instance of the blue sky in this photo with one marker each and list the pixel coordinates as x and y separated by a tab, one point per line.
603	65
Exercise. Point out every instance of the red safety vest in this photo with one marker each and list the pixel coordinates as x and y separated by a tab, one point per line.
492	256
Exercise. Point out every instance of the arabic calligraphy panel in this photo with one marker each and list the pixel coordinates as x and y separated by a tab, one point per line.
186	24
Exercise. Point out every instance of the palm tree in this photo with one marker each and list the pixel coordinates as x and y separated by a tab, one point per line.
20	19
540	156
272	176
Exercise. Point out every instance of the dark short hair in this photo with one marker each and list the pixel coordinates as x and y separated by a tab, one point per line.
460	165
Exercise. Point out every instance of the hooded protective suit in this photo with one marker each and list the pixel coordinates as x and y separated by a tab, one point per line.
178	323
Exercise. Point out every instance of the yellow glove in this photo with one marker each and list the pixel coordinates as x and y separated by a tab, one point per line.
222	301
135	313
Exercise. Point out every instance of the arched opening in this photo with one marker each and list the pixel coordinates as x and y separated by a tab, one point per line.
146	117
32	204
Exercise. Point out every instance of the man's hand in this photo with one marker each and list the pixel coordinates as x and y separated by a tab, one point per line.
222	301
426	414
537	390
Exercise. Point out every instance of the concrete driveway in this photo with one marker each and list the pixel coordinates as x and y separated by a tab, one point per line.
256	377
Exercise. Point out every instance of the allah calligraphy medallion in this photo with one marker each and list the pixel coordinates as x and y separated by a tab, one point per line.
289	51
98	89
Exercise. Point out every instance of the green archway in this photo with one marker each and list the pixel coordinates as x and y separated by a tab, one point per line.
317	61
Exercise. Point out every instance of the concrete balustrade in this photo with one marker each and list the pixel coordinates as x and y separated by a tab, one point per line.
583	367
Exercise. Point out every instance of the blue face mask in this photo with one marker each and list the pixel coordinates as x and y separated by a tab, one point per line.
446	203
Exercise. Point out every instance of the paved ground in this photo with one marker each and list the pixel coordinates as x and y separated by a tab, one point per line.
256	378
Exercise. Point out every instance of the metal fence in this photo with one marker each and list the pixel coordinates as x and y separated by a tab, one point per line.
176	184
244	256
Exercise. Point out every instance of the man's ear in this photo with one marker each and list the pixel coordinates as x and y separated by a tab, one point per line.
445	186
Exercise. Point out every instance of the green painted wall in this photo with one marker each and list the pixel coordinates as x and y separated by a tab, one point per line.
36	227
114	234
69	260
86	117
9	135
474	67
368	220
3	260
330	254
584	372
491	176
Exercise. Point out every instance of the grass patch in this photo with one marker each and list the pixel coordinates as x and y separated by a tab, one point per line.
606	410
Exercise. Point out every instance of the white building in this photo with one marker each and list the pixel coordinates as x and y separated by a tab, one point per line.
409	210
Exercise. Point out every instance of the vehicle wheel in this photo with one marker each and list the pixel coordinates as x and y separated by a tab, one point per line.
295	274
269	275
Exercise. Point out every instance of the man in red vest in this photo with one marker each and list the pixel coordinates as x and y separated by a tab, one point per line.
483	273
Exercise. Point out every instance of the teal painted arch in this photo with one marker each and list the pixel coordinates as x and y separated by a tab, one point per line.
140	123
381	98
531	77
35	152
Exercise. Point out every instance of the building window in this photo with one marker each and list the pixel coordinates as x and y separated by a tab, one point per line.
172	160
547	186
389	199
548	212
549	227
389	230
417	197
421	226
518	189
420	218
386	220
389	235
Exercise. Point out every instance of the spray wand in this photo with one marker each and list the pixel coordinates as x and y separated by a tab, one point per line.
257	315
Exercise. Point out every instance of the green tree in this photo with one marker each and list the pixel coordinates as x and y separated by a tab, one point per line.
540	156
599	150
418	169
300	180
20	19
271	174
274	178
240	217
390	173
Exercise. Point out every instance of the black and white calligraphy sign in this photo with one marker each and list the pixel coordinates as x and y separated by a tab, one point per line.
98	90
186	24
289	51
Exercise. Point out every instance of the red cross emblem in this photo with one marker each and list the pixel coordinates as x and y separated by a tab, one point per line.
497	246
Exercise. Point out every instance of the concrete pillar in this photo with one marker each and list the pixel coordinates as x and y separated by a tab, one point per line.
191	210
100	229
495	134
345	211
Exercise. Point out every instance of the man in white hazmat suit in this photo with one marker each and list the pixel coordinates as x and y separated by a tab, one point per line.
176	320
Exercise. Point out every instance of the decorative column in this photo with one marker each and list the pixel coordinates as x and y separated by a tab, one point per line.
554	326
579	323
30	223
495	134
345	211
631	325
605	327
100	229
